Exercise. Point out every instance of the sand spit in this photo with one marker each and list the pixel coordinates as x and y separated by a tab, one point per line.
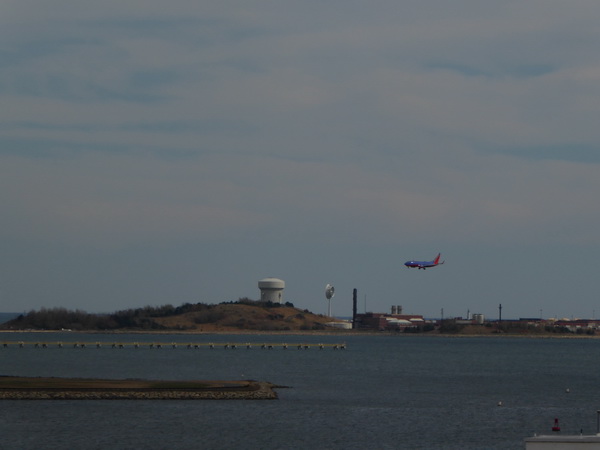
32	388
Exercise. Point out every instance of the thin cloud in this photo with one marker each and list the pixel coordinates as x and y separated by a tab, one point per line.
285	134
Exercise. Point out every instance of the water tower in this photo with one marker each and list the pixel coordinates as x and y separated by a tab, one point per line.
271	290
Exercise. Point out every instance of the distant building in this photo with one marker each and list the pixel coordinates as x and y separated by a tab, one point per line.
271	290
382	321
479	319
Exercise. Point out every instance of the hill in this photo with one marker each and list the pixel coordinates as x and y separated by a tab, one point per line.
243	315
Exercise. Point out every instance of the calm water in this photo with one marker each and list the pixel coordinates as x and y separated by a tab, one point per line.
382	392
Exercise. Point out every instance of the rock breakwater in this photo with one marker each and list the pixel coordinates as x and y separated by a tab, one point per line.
23	388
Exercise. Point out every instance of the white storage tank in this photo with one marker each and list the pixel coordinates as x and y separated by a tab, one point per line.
271	290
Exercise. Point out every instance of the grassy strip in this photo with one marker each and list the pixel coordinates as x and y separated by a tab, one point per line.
25	383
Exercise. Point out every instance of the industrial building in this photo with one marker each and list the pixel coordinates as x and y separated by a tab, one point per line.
394	321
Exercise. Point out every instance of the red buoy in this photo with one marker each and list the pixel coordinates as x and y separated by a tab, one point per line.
556	427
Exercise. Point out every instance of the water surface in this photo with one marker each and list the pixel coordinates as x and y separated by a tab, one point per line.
408	392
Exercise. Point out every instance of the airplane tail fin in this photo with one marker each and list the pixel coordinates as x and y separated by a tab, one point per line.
436	261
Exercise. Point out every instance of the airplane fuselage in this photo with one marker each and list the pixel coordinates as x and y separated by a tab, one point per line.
424	264
419	264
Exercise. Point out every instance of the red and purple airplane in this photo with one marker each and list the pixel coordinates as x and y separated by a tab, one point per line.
424	264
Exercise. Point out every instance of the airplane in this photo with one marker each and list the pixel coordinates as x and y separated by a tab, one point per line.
424	264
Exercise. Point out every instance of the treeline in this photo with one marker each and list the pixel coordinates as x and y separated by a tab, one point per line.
56	319
139	318
77	320
262	303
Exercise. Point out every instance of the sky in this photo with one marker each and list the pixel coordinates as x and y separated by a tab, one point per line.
176	152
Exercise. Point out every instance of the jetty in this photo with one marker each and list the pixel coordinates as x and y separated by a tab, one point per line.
158	345
49	388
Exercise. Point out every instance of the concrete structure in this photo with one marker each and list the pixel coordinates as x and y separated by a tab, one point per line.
479	319
271	290
558	442
340	325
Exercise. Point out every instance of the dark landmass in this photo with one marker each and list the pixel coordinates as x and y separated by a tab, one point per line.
32	388
251	316
242	315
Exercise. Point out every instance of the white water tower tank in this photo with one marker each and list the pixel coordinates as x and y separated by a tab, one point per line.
271	290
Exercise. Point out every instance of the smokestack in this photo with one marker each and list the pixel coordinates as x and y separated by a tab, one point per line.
354	294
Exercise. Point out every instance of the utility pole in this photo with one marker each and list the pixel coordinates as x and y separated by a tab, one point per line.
499	315
354	294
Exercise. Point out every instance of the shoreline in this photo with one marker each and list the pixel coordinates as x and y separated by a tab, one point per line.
337	333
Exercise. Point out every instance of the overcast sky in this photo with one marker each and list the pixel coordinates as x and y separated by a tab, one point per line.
159	153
